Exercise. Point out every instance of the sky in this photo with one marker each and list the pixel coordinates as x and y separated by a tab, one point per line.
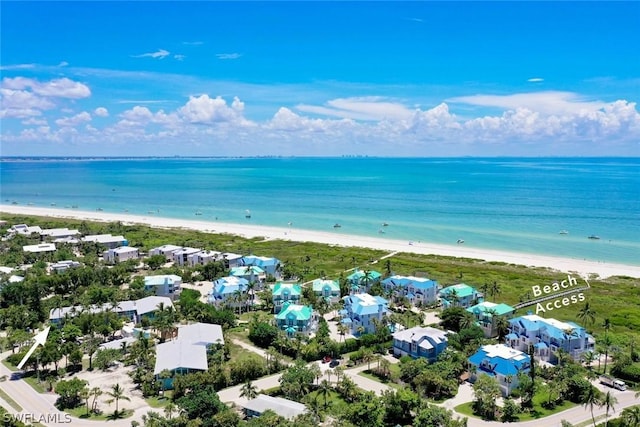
319	78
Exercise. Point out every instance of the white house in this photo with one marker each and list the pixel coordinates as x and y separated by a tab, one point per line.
283	407
203	258
165	250
62	266
166	285
42	247
59	233
180	256
121	254
24	229
107	240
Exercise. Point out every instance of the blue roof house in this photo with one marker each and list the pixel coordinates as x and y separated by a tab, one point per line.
460	295
229	291
283	293
548	336
420	342
361	280
362	311
500	362
295	318
271	266
327	289
419	290
252	273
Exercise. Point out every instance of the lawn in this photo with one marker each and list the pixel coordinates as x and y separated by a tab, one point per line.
335	403
159	401
537	413
38	386
81	412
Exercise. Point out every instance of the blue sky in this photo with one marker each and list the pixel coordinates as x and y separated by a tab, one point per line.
320	78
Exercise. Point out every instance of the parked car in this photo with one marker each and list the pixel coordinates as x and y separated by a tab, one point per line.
334	363
613	382
326	359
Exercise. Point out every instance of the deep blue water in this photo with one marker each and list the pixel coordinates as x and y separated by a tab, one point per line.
507	204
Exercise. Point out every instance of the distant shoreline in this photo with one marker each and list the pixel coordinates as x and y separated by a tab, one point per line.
562	265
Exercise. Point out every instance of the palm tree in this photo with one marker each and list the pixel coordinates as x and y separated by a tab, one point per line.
495	289
502	327
588	358
608	403
249	391
591	399
117	393
607	342
568	333
325	390
587	314
170	409
342	330
631	416
95	393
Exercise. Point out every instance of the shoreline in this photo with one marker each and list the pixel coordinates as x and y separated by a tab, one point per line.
563	265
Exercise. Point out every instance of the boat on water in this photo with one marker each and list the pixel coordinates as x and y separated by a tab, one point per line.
74	206
385	224
564	232
247	213
460	241
336	225
381	231
99	209
198	213
594	237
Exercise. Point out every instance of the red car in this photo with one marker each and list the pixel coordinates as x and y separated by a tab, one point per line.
326	359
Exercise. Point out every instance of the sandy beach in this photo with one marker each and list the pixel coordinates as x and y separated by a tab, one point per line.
564	265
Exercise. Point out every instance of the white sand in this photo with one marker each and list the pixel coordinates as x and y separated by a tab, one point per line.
566	265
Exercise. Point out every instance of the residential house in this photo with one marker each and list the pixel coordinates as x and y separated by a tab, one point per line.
295	318
231	260
229	292
361	280
270	266
548	336
251	273
181	256
62	266
166	285
282	293
59	233
42	247
327	289
420	342
107	240
362	312
500	362
460	295
132	310
120	254
203	258
24	229
418	290
165	250
283	407
188	352
487	314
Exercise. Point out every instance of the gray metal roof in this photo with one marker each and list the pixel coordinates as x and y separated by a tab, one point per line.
180	354
283	407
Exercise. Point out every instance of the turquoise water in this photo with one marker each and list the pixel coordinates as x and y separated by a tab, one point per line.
506	204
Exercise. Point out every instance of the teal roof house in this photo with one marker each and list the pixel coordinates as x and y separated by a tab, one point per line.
251	273
487	313
420	342
295	318
548	336
362	312
361	280
419	290
283	293
327	289
500	362
460	295
271	266
164	285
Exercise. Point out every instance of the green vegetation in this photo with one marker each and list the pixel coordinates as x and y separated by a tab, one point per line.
4	396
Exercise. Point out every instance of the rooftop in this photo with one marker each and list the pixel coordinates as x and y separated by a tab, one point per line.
283	407
462	290
500	309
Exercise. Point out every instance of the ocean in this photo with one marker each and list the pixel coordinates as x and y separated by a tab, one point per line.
512	204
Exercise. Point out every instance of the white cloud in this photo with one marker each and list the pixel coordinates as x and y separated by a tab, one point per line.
549	102
179	57
101	112
63	64
34	122
228	55
56	88
74	120
17	67
203	109
160	54
361	108
196	43
22	100
535	80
